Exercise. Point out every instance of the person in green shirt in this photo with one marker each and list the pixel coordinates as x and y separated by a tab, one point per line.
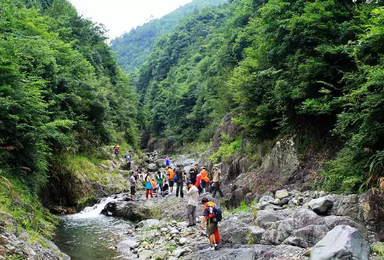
159	176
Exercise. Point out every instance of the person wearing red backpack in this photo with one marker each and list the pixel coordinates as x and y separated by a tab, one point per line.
209	220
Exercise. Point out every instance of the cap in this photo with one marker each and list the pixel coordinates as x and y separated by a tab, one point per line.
189	182
203	167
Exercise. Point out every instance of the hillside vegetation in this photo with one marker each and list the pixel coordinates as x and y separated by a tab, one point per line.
134	47
310	69
61	94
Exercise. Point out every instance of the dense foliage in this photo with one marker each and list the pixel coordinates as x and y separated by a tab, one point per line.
133	48
61	90
310	68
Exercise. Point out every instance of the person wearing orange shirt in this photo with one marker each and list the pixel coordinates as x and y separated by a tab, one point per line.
204	179
171	175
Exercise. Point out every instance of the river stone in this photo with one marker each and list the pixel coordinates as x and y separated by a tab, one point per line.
126	245
174	231
182	241
149	223
281	194
145	254
342	242
321	205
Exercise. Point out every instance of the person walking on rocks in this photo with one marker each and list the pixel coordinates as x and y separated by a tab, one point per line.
179	179
148	186
116	150
160	180
193	198
198	183
171	175
166	160
132	180
193	174
216	181
204	179
128	159
208	219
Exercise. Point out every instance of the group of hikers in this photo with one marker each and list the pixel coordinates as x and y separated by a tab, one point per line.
197	183
163	183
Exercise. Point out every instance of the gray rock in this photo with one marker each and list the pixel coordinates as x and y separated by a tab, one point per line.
307	236
149	223
152	167
160	163
266	220
266	199
182	241
321	205
281	194
145	254
127	245
342	242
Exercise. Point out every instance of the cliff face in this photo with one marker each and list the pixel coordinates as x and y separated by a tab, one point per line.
271	166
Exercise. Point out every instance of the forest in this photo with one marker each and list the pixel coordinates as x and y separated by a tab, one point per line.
310	69
62	94
133	48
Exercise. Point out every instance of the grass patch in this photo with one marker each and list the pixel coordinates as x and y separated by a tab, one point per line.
26	210
228	148
378	249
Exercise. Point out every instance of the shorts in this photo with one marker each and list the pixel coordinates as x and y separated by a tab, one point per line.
133	190
211	228
171	183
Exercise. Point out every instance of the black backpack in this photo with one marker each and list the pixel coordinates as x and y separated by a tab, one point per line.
217	214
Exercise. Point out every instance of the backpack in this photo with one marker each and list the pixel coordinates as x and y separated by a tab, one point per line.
176	177
217	214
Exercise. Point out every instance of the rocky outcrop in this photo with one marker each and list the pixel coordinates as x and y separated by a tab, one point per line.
130	210
342	242
18	244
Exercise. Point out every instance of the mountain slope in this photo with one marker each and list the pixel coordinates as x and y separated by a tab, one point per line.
134	47
310	69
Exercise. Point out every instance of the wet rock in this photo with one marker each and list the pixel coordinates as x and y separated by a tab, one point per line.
130	210
322	205
342	242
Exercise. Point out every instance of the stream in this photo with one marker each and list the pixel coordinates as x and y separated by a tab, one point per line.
90	235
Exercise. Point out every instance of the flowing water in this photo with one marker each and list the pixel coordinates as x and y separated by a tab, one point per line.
89	235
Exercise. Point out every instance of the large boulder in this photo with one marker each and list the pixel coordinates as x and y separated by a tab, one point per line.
307	236
160	163
236	232
322	205
130	210
152	167
342	242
